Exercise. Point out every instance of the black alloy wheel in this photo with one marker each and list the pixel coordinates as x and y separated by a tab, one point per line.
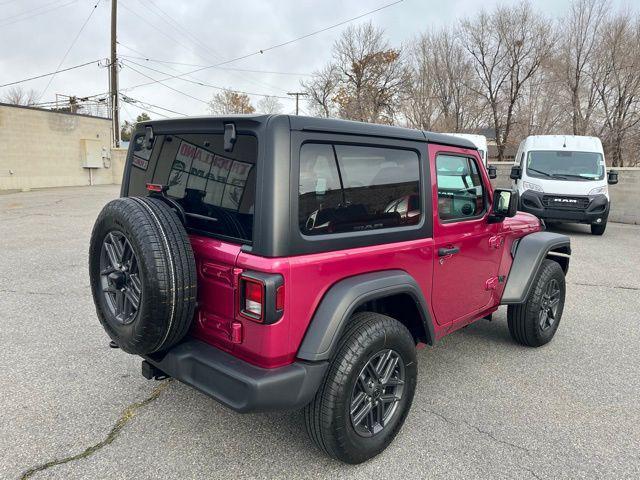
119	277
377	392
549	305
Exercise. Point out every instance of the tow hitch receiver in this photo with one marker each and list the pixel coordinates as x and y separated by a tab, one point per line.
150	372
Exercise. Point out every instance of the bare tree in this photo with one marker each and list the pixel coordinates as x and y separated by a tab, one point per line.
365	81
230	102
619	82
372	75
321	91
420	107
452	75
19	96
508	47
580	60
269	105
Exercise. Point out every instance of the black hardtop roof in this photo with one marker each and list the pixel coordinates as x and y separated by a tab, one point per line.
316	124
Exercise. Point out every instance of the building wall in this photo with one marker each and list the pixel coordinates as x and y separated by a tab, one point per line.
40	148
625	196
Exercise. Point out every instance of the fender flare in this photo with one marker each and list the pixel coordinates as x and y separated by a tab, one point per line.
341	300
529	253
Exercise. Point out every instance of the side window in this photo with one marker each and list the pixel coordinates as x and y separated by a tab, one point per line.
345	188
461	193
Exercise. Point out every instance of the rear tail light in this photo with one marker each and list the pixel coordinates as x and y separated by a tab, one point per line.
261	297
253	299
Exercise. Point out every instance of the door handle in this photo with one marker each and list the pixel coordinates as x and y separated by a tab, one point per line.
443	252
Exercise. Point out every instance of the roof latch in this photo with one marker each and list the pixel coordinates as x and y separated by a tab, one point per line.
148	137
230	136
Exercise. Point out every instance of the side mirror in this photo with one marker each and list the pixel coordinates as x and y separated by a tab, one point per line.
516	172
612	177
493	171
505	204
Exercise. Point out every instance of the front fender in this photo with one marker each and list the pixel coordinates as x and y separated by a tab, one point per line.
341	300
531	250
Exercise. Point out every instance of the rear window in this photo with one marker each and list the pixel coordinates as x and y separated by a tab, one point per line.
215	188
349	188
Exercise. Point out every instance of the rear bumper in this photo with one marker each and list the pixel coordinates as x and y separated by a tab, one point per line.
237	384
589	209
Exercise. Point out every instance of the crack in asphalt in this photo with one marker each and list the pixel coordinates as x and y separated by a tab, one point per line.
534	474
486	433
494	438
125	417
478	429
621	287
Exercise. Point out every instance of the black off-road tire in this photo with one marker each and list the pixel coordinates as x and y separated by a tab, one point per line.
166	274
598	228
328	417
524	320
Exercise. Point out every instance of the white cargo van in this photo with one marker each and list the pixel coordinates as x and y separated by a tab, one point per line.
480	141
563	178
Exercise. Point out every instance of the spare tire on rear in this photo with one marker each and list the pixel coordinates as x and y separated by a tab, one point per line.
143	274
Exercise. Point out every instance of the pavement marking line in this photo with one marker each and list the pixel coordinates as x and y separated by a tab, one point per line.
125	417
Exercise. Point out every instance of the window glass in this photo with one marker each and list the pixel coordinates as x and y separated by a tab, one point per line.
565	165
356	188
215	188
460	191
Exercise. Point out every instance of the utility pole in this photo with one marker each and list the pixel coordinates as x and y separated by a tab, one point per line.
113	77
297	95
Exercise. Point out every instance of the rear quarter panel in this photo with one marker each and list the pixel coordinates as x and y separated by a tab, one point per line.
308	277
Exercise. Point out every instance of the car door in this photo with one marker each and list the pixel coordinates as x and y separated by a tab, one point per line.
466	244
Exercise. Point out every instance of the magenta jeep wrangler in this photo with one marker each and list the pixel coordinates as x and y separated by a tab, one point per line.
277	262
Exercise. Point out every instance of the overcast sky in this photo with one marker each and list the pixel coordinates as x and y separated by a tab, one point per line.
35	34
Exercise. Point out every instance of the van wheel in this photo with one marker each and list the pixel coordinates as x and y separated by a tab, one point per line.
143	274
598	228
534	323
367	391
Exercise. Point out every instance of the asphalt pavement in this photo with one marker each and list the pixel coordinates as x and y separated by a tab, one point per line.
72	408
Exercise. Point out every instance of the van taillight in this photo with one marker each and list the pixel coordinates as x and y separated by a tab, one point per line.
261	296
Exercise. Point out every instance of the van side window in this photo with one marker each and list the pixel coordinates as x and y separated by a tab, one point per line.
348	188
461	194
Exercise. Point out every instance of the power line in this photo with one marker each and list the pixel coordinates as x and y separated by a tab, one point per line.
186	32
52	73
148	110
259	52
155	27
133	101
296	74
30	11
183	30
195	81
164	84
36	14
70	47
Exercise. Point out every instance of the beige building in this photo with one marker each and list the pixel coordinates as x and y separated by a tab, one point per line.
41	148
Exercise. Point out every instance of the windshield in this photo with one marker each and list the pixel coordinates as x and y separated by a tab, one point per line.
565	165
